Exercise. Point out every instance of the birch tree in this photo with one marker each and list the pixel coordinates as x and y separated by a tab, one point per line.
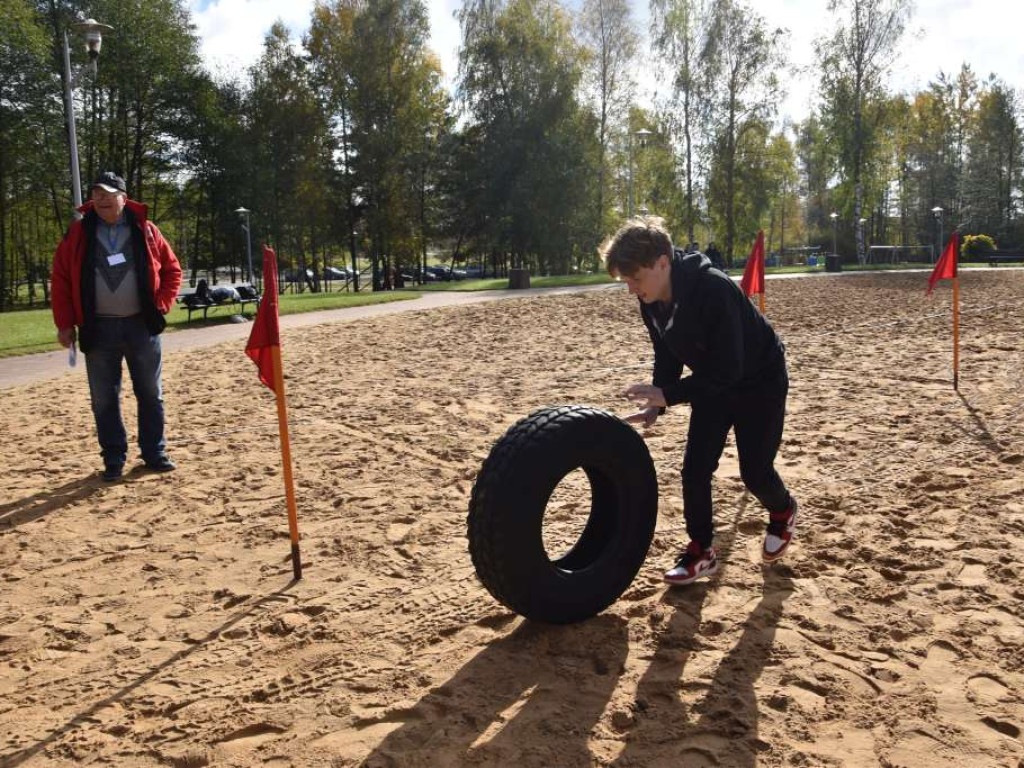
608	33
855	61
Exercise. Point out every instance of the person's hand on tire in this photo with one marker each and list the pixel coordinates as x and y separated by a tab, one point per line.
650	399
646	395
66	336
645	418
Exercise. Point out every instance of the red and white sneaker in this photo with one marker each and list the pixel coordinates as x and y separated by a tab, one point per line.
780	533
695	563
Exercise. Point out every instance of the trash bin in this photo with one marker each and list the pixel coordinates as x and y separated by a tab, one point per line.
812	261
519	278
833	263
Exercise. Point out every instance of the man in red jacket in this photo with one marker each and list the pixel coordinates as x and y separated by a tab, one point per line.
114	278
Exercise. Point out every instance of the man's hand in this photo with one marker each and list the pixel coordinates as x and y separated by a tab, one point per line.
646	396
650	399
66	336
645	418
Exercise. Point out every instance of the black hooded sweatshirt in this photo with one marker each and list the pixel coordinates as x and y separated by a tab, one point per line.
712	329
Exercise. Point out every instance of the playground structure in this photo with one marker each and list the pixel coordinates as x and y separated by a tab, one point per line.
890	254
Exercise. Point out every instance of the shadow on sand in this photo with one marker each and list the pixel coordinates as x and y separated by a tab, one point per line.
43	503
538	681
721	728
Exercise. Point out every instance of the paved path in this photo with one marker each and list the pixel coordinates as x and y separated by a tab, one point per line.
27	369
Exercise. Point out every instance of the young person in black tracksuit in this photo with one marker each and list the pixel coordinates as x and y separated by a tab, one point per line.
699	318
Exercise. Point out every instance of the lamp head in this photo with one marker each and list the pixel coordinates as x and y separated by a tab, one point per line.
92	31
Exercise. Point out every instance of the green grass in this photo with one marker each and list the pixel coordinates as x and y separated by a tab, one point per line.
27	331
30	331
294	303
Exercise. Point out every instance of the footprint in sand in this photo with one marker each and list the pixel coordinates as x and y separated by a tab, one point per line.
251	736
973	575
987	689
958	701
939	665
918	749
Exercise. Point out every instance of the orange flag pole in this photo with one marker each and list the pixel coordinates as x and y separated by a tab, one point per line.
956	333
286	458
264	347
760	301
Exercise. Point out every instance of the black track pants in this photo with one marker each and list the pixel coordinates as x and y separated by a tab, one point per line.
757	416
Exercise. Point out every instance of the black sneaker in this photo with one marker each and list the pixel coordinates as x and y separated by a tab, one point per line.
161	464
112	472
695	563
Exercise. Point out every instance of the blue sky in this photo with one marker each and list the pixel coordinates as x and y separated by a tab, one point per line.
944	33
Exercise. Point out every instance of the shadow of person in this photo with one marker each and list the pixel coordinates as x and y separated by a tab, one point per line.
726	731
531	698
729	711
44	502
661	716
664	732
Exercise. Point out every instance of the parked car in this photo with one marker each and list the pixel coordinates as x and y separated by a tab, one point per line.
295	276
439	273
337	274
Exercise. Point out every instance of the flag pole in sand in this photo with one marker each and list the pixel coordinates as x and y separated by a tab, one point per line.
264	347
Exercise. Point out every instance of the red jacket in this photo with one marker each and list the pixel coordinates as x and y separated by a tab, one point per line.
164	272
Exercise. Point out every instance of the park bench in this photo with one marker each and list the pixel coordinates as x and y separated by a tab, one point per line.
995	257
204	298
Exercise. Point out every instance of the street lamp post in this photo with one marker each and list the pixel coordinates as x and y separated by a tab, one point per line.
92	31
642	135
835	225
248	241
355	261
937	212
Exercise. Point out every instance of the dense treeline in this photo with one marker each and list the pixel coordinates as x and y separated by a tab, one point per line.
346	143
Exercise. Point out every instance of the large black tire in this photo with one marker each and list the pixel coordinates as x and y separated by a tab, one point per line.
510	495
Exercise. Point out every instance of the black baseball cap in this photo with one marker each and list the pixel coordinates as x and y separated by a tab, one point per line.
111	182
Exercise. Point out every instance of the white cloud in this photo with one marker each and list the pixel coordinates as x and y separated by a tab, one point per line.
941	35
232	31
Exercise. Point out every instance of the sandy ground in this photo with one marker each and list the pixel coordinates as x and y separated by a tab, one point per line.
153	622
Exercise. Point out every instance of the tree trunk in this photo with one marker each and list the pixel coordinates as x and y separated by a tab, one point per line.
3	232
782	228
688	140
730	183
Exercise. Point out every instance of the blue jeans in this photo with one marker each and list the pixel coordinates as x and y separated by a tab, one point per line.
116	339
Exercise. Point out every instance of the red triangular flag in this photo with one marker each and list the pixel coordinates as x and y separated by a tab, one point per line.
265	333
753	274
945	267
